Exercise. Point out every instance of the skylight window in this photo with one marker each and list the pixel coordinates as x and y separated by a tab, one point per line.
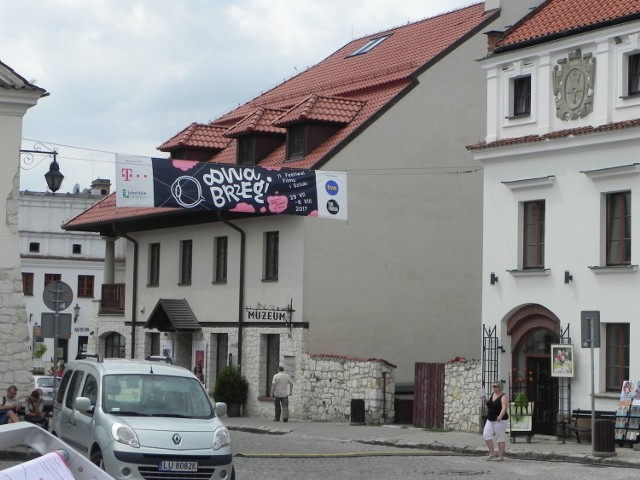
370	45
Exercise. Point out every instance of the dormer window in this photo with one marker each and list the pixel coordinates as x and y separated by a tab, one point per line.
634	74
296	136
370	45
522	96
245	151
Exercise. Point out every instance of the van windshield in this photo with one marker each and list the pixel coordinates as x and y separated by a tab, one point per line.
155	395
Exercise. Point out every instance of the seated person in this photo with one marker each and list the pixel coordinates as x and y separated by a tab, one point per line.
34	408
10	406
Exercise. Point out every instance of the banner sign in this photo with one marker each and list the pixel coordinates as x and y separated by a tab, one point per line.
159	182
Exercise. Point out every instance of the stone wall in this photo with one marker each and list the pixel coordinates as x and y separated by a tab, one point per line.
462	395
329	383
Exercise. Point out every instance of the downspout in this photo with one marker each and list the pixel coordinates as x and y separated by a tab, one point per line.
241	285
134	289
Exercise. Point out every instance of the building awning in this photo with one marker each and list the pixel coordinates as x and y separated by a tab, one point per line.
173	315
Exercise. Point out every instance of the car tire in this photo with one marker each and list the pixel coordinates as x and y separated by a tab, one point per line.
233	473
96	459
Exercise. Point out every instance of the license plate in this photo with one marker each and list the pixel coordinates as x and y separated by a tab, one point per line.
171	466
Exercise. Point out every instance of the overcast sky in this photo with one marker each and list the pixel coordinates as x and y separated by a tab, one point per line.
124	76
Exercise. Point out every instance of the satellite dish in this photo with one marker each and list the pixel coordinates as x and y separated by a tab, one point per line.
76	188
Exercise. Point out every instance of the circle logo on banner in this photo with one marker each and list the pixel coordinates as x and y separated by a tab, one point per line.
332	207
331	187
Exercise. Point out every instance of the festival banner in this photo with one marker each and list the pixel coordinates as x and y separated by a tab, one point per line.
159	182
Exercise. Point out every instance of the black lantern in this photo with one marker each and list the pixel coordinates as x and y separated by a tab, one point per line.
53	176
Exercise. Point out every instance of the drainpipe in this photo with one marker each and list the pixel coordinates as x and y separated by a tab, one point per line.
241	285
134	290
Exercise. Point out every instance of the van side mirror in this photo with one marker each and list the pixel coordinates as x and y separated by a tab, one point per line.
221	409
83	404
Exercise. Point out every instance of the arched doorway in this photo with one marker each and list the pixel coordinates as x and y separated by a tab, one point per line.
533	329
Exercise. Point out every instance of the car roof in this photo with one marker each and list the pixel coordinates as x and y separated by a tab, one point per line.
110	366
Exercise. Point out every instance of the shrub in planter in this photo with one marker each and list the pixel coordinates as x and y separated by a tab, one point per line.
231	388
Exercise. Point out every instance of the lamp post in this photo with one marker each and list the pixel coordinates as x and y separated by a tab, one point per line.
53	177
76	313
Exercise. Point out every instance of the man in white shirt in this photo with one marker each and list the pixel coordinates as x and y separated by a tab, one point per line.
281	388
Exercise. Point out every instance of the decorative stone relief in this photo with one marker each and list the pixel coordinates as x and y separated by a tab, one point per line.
573	85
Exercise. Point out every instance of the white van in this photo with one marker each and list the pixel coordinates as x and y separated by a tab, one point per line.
141	420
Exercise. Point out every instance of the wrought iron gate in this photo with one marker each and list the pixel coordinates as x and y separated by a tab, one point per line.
491	350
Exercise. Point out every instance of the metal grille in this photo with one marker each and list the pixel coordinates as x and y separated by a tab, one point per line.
564	384
491	350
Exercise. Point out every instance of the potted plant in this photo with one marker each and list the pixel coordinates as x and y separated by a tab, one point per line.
231	388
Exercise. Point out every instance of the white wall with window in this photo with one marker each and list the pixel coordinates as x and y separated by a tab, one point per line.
48	253
561	203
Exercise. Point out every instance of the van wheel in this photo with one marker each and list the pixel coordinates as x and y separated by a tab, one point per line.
96	459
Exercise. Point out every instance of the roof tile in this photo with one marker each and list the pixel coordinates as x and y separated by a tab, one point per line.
322	109
197	135
559	16
260	120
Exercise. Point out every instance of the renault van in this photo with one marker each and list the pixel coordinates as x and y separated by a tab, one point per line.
141	420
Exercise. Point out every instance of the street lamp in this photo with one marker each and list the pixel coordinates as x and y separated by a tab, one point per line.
76	313
54	177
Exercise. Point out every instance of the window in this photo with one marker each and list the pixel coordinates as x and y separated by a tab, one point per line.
220	256
76	248
154	265
245	150
634	74
85	285
51	277
370	45
295	142
186	247
114	345
271	240
27	283
618	228
34	247
522	96
533	235
617	352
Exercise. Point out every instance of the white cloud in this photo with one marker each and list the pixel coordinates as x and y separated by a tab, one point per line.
126	75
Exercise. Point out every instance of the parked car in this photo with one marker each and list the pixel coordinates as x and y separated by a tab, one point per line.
46	383
141	419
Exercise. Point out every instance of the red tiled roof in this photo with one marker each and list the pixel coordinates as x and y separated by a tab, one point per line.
561	16
261	120
322	109
342	88
570	132
197	135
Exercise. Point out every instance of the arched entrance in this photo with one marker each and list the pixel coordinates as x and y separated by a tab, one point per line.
533	329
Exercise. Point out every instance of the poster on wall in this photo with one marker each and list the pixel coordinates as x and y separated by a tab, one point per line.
562	361
200	355
166	347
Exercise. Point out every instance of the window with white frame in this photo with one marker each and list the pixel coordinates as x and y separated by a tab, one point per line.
521	94
533	216
617	350
220	259
618	228
186	260
271	253
633	75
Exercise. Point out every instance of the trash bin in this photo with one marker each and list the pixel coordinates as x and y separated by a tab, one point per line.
357	412
604	439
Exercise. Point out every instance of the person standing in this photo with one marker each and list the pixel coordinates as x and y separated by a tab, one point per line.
281	389
496	425
197	371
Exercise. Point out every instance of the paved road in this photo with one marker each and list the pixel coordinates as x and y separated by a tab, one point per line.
281	457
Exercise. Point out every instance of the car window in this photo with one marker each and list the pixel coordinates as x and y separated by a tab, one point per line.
90	389
156	395
45	382
74	384
63	386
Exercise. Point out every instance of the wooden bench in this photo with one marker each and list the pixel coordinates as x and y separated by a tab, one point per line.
572	425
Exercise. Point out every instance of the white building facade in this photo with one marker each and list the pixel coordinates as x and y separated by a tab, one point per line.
49	254
562	209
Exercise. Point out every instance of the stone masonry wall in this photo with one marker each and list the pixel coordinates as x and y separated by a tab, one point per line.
462	394
329	383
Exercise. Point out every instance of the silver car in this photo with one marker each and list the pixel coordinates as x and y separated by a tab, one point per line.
142	420
46	383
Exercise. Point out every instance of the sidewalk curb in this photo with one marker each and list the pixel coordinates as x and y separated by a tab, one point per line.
462	450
